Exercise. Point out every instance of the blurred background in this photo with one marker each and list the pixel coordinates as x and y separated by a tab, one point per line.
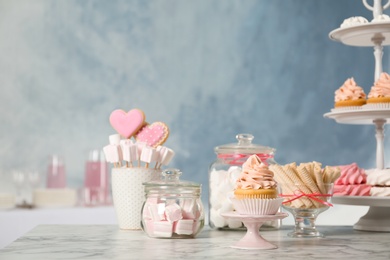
209	69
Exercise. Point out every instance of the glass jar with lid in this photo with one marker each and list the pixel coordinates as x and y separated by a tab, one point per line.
223	174
173	208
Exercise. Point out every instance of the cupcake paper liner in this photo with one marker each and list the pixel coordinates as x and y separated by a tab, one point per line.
377	106
338	109
257	206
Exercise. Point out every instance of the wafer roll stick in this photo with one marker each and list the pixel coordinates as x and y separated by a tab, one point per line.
285	183
330	174
309	166
293	175
279	174
327	173
317	172
307	179
336	174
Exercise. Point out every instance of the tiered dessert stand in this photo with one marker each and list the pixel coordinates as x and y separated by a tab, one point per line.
375	35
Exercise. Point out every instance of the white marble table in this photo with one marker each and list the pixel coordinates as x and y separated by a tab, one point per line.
108	242
16	222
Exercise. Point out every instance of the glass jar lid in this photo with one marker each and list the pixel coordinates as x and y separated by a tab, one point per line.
244	146
170	183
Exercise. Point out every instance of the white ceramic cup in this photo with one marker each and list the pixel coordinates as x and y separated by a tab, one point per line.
128	194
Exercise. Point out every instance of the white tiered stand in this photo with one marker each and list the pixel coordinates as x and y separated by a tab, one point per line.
368	35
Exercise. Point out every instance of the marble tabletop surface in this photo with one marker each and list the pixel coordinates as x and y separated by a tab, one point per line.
108	242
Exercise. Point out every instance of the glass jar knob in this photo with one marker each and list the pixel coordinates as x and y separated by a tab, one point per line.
244	139
172	175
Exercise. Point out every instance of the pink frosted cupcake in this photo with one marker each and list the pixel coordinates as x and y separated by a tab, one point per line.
349	96
379	96
256	190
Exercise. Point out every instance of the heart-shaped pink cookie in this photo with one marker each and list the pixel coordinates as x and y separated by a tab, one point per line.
127	124
154	135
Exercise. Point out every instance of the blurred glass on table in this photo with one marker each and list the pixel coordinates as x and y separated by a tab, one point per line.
56	175
96	186
25	182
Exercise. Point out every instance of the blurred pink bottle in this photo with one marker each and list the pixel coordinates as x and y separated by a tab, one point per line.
56	176
96	188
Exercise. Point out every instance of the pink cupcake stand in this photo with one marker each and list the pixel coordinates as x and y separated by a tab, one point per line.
252	238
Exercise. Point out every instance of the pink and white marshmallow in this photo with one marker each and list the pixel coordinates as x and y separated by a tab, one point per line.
165	156
162	229
129	151
113	151
173	212
184	227
148	155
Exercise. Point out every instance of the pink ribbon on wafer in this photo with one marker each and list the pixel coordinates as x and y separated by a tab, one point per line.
238	158
299	194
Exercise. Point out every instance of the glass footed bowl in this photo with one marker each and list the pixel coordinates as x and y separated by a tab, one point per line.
305	203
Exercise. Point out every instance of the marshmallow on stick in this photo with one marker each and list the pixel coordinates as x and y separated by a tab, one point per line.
148	155
113	151
140	147
129	151
166	156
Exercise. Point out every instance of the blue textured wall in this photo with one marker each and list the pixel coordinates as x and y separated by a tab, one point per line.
209	69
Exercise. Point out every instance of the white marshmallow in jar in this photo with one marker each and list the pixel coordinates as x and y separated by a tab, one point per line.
223	175
173	208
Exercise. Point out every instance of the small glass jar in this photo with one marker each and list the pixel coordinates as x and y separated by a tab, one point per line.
173	208
223	174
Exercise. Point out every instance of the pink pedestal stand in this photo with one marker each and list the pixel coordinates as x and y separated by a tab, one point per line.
252	238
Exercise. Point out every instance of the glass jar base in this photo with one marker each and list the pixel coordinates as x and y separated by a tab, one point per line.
312	234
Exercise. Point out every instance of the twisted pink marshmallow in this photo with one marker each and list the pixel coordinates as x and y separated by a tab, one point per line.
351	174
352	190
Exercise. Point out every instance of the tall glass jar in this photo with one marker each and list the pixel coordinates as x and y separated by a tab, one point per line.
223	174
173	208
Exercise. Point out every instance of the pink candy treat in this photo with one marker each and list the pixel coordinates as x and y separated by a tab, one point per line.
190	209
173	212
184	227
129	150
127	124
113	151
155	211
162	220
352	181
154	135
148	155
351	174
352	190
162	228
